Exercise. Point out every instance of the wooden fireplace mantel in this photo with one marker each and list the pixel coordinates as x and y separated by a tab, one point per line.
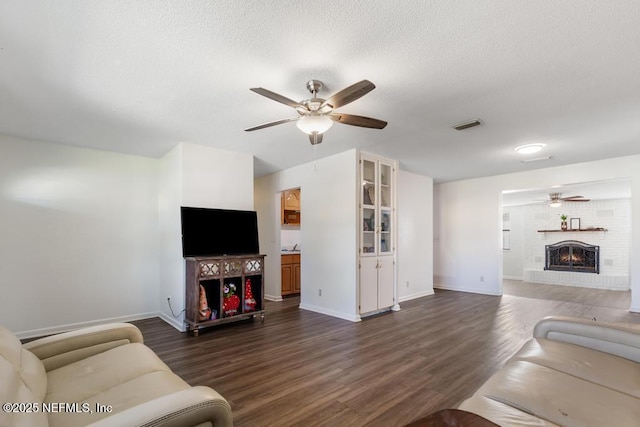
573	231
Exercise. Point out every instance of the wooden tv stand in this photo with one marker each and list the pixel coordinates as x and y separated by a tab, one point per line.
213	274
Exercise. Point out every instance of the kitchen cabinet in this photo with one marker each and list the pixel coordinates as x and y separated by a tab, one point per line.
290	274
291	199
377	231
290	207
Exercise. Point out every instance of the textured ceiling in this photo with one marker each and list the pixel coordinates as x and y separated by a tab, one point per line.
140	76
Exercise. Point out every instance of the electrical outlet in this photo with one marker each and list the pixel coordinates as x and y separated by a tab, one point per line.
319	292
482	278
407	283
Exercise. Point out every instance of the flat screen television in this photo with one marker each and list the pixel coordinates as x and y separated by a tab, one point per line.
207	232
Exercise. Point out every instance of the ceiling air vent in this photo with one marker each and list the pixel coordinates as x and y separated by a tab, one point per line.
468	124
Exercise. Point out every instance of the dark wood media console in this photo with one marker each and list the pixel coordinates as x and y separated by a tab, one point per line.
208	279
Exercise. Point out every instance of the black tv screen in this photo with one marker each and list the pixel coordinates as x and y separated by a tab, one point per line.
208	232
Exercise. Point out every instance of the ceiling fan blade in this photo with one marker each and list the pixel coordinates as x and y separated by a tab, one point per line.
266	125
349	94
576	200
276	97
571	197
353	120
315	138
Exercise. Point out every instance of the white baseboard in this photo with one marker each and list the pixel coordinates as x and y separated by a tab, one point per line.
520	278
332	313
178	324
72	326
416	295
460	289
275	298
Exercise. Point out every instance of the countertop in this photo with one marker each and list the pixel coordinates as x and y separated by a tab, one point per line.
289	252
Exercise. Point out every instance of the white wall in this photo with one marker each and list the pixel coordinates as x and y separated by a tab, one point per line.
415	236
328	233
78	236
468	221
196	176
513	259
327	230
172	271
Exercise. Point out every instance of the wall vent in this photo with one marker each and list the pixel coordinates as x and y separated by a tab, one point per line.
605	213
536	159
466	125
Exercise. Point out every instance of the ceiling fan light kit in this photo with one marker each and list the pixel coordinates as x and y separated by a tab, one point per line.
316	115
311	124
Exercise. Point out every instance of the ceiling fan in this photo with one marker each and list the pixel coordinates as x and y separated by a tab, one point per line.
556	201
316	115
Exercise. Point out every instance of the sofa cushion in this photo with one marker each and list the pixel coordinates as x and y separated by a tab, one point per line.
122	377
23	379
597	367
502	414
556	397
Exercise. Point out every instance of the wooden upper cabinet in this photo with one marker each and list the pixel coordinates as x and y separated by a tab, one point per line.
290	207
291	200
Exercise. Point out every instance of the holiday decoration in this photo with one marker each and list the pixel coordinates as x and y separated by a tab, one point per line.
249	301
231	301
204	311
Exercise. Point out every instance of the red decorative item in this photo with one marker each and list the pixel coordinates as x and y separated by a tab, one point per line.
231	301
249	301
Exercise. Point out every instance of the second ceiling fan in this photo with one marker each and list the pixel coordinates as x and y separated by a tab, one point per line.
555	200
316	115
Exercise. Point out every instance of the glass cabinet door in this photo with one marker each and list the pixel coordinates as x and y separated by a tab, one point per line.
385	186
385	231
368	231
385	245
368	209
368	183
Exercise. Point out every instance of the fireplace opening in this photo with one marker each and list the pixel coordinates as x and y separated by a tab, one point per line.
572	255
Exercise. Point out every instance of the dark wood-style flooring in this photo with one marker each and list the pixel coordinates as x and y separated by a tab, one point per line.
300	368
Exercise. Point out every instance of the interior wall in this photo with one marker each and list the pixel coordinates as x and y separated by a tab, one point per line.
513	258
327	230
79	241
172	271
196	176
415	235
468	221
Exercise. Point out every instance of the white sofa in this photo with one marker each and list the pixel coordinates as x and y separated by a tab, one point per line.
574	372
60	381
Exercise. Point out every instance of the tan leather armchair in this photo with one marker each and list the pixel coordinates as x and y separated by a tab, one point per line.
100	376
574	372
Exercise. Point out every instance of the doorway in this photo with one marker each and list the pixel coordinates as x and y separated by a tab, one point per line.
290	242
593	214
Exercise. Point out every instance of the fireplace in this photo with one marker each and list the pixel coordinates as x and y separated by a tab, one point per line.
572	255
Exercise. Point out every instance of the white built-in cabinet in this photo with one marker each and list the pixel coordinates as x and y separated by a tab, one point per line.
377	234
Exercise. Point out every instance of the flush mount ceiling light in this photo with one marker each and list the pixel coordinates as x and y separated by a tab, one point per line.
530	148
